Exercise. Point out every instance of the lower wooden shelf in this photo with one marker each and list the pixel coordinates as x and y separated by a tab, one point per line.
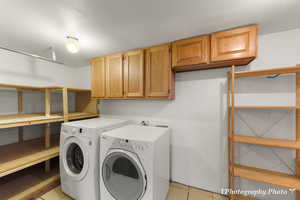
278	143
18	156
29	183
267	176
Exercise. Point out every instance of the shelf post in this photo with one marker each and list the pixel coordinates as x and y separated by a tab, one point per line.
298	129
47	144
47	126
230	103
20	111
47	102
65	104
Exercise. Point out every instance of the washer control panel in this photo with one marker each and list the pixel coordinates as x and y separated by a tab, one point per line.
74	131
124	143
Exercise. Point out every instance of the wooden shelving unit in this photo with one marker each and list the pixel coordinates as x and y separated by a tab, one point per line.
16	158
251	173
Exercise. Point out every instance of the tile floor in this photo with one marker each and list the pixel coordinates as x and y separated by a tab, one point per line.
177	192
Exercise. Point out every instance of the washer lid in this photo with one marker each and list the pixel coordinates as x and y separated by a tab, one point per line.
98	123
138	133
124	176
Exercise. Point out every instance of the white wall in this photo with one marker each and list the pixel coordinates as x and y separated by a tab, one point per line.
23	70
199	120
19	69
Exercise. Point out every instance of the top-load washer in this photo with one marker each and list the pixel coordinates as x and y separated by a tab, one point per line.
79	156
135	163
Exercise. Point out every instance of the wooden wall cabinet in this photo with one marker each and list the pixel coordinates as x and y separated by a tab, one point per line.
98	76
134	71
192	51
222	49
234	44
114	76
159	75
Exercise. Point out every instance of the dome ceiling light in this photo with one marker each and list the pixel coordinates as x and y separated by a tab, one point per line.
72	44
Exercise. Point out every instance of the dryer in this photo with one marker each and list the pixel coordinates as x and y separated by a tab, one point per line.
79	156
135	163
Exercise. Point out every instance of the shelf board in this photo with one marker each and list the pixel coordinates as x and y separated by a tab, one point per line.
36	190
266	72
68	88
18	156
267	107
27	87
21	87
29	183
16	120
267	176
277	143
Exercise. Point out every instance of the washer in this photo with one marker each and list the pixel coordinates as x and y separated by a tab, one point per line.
135	163
79	156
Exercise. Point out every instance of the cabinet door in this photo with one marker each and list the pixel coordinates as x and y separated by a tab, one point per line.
234	44
114	76
159	76
192	51
98	75
134	73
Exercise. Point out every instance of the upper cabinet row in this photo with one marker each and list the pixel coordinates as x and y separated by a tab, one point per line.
142	73
147	73
232	47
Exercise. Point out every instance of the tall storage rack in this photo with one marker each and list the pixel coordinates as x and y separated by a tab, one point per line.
21	176
251	173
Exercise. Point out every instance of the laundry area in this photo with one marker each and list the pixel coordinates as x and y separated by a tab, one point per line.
150	100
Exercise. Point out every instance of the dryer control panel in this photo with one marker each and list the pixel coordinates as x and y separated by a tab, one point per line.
128	144
139	147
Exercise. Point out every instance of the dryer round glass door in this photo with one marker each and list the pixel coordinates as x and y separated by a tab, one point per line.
123	176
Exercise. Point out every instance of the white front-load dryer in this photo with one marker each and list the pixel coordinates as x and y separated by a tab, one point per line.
79	156
134	163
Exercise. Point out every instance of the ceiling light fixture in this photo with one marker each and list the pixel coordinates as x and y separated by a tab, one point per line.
72	44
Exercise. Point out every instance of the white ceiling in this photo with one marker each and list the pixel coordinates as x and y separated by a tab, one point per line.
110	26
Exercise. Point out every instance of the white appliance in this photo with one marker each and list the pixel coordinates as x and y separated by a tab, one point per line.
135	163
79	156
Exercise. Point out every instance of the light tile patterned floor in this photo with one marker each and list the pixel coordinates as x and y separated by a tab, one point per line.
177	192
